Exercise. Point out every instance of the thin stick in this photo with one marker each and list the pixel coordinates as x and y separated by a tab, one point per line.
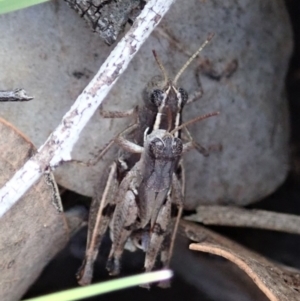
15	95
59	145
239	217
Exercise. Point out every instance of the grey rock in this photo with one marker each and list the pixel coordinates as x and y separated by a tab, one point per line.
48	51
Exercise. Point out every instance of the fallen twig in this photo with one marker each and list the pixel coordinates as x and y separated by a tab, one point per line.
15	95
239	217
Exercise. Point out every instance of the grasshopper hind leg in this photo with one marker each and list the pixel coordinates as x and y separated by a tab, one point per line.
123	224
169	241
100	215
157	236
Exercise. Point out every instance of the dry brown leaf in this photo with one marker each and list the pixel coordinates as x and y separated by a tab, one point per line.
278	283
33	230
240	217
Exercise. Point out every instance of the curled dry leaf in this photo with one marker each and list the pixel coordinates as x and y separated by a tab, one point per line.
239	217
276	282
33	230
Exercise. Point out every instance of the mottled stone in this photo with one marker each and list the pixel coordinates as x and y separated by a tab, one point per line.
48	51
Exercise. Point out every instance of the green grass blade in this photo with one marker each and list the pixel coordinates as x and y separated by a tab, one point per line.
105	287
7	6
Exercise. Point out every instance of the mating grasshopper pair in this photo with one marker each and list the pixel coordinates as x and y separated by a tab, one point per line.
139	191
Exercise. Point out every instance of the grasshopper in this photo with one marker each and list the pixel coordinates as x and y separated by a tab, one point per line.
143	200
162	111
163	102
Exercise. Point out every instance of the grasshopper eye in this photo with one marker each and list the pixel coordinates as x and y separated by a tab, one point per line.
156	146
184	96
157	97
177	146
159	145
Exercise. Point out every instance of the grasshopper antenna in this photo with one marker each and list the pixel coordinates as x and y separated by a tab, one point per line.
161	67
196	119
209	37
